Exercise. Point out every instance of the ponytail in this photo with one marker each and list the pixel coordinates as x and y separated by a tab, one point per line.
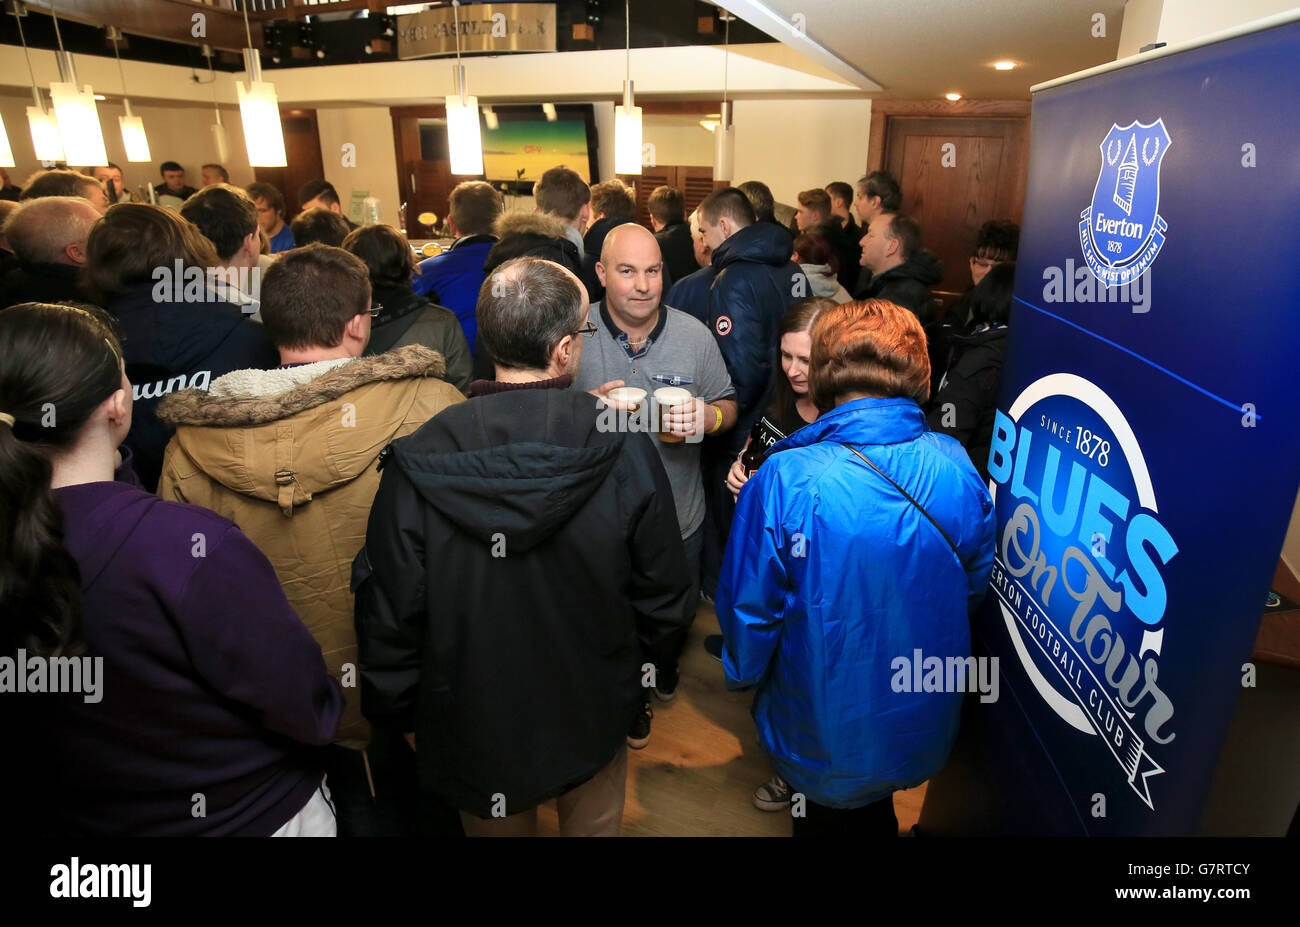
57	364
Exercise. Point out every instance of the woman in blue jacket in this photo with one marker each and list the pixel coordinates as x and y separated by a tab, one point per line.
862	539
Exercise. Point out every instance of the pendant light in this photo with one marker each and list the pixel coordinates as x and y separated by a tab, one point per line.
724	136
76	113
6	150
220	138
464	137
627	118
134	140
45	131
259	110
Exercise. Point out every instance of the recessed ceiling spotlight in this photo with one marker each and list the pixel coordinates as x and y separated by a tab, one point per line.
954	97
1004	65
100	96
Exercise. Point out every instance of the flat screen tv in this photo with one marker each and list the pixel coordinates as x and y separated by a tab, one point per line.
524	141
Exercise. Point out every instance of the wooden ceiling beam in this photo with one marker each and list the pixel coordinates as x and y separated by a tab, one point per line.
169	20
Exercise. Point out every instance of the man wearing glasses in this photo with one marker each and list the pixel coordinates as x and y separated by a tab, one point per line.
292	456
517	560
641	343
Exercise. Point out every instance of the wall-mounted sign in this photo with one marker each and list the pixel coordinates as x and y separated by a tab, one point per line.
490	27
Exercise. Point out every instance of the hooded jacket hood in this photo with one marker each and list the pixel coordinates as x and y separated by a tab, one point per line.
249	415
524	490
528	223
760	243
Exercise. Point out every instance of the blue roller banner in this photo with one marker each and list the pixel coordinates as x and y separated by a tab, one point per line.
1146	454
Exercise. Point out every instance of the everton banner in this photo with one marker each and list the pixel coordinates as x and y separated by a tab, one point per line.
1146	452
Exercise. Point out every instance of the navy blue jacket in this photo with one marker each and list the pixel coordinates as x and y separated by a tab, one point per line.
456	276
171	346
691	294
754	283
817	603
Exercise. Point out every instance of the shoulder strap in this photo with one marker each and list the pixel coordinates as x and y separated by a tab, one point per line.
928	516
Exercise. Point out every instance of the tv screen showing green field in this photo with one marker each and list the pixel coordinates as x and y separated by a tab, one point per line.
534	147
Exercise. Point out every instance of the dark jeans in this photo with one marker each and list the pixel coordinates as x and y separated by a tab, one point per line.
719	507
874	820
674	644
398	808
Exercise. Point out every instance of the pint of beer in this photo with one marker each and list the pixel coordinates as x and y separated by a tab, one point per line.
666	398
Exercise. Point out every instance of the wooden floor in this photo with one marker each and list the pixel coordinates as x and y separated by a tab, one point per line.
695	776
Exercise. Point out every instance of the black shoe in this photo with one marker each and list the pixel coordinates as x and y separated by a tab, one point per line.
666	688
713	644
638	735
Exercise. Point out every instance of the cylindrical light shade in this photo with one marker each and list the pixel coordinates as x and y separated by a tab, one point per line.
134	140
45	134
221	140
724	147
260	111
83	139
464	138
6	150
627	140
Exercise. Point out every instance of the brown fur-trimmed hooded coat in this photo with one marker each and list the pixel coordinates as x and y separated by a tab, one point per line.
291	456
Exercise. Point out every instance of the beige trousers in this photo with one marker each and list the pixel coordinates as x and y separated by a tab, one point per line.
593	809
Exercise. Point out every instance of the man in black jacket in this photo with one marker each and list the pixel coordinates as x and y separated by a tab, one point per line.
754	283
48	237
667	207
901	272
518	557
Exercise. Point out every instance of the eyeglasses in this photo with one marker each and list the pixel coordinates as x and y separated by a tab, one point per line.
374	310
590	330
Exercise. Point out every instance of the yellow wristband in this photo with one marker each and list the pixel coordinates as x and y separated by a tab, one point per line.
717	424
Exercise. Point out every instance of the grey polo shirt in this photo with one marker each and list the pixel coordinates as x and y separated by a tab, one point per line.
682	352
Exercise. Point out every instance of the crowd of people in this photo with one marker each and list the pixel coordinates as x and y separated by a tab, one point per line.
364	546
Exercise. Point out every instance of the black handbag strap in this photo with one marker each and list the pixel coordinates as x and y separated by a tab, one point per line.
908	497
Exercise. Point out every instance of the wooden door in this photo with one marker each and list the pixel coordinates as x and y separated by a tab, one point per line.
424	183
695	183
957	173
302	151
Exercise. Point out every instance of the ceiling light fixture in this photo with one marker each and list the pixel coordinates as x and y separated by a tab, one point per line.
549	110
259	110
1004	65
710	124
464	138
490	118
45	130
953	97
75	111
627	118
220	138
134	139
724	134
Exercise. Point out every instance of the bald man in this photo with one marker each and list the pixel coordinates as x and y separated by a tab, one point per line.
48	237
642	343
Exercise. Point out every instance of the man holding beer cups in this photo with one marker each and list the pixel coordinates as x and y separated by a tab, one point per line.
657	369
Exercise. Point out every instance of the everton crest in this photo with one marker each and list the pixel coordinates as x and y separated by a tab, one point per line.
1122	231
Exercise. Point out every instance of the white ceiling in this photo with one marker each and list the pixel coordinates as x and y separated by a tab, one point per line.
918	49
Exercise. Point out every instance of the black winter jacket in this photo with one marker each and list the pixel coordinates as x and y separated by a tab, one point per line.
754	283
908	285
678	250
517	558
966	404
170	346
40	283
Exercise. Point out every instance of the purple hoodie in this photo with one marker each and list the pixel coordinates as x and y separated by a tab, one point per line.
211	685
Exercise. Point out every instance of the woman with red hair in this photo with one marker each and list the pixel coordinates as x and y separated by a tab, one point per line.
863	538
